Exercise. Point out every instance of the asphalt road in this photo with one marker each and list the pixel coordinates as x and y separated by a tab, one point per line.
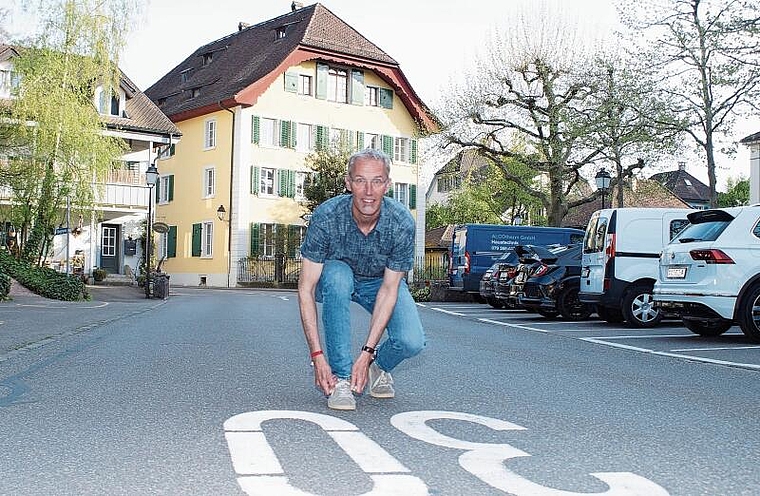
211	392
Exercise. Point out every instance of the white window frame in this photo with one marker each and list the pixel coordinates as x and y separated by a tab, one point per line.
268	240
163	245
401	149
337	85
372	96
305	85
209	134
269	133
374	141
267	181
207	239
401	193
301	178
304	137
163	189
209	182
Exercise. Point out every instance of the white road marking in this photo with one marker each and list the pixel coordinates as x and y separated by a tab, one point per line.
508	324
672	355
717	348
448	312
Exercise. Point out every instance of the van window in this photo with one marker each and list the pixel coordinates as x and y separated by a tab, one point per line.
595	233
676	226
576	238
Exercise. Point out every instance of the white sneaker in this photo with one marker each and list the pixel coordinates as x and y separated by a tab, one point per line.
342	398
380	383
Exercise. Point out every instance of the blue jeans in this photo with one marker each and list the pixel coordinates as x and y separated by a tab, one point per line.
336	289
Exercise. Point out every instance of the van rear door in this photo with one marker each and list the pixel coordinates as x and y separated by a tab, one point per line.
458	261
595	254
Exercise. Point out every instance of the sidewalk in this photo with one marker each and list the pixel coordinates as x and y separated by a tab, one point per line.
98	292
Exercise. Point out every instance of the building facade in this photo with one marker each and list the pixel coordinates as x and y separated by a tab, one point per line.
251	107
109	236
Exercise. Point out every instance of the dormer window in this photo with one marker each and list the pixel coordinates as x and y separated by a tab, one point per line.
107	102
195	92
207	58
184	76
279	33
688	183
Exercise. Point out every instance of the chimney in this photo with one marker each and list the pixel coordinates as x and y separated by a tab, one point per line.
681	166
242	25
295	6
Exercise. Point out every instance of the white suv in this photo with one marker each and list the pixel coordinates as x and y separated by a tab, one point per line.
710	272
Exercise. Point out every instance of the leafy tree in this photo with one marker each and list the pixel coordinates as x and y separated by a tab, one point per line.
329	166
486	196
707	54
737	193
633	128
538	87
65	147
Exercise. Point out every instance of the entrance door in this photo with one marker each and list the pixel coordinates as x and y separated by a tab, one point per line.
109	248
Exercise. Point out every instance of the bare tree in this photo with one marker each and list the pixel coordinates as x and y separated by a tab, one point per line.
707	53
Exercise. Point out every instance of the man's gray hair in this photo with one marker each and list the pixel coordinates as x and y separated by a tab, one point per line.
370	154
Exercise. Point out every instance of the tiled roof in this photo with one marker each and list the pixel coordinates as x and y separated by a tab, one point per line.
752	138
439	237
646	193
142	114
235	69
683	185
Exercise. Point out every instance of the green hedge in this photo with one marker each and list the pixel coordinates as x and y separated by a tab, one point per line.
44	281
5	286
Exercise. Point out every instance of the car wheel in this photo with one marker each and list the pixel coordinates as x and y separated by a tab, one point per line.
638	310
549	314
749	313
609	314
707	328
494	302
571	308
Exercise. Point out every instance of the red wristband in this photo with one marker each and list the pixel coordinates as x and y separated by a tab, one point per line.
315	354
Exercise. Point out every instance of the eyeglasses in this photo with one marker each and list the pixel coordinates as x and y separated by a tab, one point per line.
375	183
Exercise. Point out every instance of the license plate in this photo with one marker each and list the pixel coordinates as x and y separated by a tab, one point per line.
676	272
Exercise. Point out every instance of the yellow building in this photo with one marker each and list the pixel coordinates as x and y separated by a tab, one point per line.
251	106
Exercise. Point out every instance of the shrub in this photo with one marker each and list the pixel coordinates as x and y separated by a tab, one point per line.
44	281
99	274
5	286
421	294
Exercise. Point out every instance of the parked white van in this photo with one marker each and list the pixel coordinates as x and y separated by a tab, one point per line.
621	251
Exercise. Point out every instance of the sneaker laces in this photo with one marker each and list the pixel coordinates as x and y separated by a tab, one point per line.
343	389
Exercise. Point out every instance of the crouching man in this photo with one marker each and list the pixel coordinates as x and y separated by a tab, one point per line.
358	247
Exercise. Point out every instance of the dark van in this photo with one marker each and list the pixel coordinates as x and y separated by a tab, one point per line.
475	247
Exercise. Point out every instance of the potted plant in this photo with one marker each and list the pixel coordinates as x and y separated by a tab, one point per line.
99	274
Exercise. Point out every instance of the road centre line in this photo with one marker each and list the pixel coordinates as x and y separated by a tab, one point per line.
672	355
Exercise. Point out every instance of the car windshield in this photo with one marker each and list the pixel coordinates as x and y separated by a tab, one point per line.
703	231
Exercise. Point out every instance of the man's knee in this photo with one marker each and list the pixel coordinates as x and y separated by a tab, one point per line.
337	279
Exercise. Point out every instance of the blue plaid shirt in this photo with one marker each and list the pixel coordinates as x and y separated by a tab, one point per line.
334	235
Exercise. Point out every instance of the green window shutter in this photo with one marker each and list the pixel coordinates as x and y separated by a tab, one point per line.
282	182
255	129
291	184
389	193
285	136
322	70
323	138
412	196
357	87
254	180
197	228
386	98
171	187
171	242
291	82
388	145
293	134
413	151
359	140
255	244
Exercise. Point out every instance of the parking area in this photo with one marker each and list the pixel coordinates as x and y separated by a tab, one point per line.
669	338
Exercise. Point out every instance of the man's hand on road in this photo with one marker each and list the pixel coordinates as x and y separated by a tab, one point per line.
323	376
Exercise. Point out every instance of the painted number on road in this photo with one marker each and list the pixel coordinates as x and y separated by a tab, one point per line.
260	472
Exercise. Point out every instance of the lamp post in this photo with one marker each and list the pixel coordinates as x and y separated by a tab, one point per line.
151	176
603	179
221	212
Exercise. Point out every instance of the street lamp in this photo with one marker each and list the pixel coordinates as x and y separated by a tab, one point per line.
221	212
151	176
603	179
